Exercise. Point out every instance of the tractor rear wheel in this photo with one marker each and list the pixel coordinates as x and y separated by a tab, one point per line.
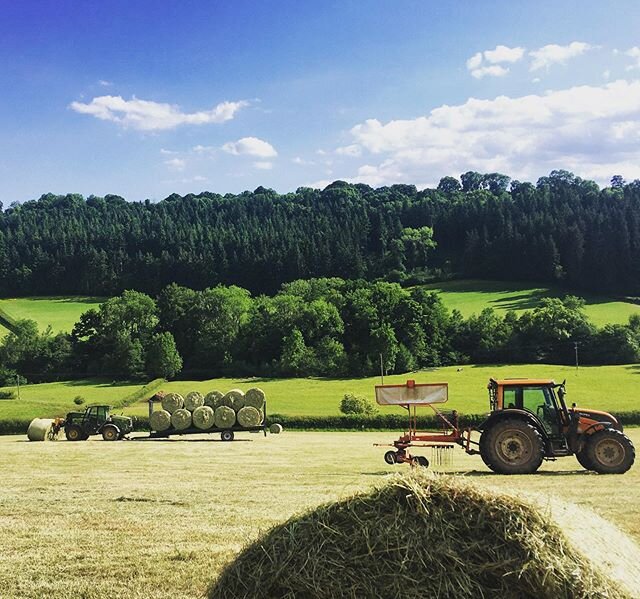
110	433
583	459
74	433
512	447
610	451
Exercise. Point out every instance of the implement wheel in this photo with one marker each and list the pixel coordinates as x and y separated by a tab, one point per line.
74	433
512	447
421	461
390	458
610	452
226	435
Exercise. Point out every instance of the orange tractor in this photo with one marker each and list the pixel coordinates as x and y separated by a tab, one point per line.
529	422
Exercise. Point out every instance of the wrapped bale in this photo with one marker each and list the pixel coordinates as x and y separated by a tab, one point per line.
233	399
160	420
416	536
225	417
193	400
255	398
213	399
203	418
181	419
172	402
249	416
275	428
39	429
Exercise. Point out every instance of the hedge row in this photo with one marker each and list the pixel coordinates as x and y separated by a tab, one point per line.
328	423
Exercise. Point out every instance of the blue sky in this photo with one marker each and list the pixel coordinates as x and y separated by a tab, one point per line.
143	98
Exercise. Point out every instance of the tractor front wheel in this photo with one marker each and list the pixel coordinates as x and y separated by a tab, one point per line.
610	452
74	433
512	447
110	433
583	459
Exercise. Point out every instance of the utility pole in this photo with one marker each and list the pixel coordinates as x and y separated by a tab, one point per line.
575	346
18	383
381	370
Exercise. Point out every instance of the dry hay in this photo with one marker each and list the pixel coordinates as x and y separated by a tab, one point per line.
233	399
275	428
193	400
203	418
172	402
39	429
213	399
416	536
181	419
160	420
249	416
225	417
255	398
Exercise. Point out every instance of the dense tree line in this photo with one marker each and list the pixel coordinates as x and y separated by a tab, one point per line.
317	327
563	229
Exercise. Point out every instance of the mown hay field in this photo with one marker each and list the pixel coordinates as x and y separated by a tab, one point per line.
160	519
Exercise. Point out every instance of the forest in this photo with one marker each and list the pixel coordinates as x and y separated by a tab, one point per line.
563	229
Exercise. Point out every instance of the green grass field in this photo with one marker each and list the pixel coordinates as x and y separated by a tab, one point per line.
159	519
472	296
612	388
59	312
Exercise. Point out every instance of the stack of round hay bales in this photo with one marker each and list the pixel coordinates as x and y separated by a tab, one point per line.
222	410
416	536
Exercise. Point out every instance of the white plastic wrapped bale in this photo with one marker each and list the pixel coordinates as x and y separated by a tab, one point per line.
233	399
213	399
172	402
275	428
249	416
203	418
255	398
193	400
160	420
181	419
39	429
225	417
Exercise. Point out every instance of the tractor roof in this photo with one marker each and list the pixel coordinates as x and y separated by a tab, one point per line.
521	382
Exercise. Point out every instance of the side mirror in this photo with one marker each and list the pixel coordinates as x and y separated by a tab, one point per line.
574	405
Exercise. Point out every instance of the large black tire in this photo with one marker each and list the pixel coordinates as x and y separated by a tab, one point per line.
74	433
110	433
512	447
583	459
610	452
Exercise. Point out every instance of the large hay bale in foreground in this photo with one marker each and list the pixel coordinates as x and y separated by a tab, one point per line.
249	416
203	418
213	399
39	429
233	399
160	420
225	417
255	398
418	536
193	400
181	419
172	402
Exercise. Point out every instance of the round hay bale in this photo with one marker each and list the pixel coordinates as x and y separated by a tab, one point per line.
203	418
225	417
160	420
233	399
181	419
417	536
172	402
39	429
255	398
213	398
193	400
275	428
249	416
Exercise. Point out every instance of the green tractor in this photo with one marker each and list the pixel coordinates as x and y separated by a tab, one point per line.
96	420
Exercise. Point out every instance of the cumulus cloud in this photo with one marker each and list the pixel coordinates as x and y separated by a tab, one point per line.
592	130
250	146
176	164
263	165
555	54
146	115
354	150
487	63
635	54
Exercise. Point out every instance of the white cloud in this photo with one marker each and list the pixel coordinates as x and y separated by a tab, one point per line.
146	115
105	83
176	164
553	54
592	130
479	68
168	152
200	149
302	161
493	71
354	150
606	74
635	54
263	165
250	146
